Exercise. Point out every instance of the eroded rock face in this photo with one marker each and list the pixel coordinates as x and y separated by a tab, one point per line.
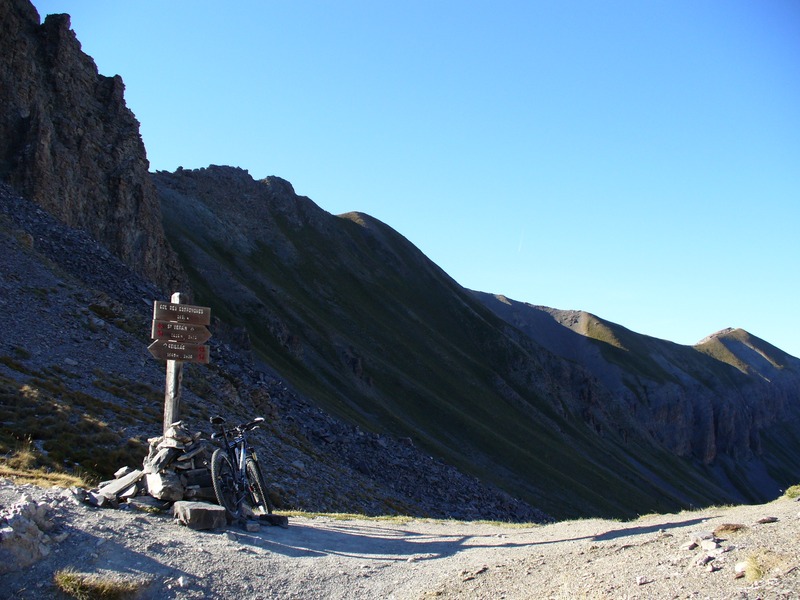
69	142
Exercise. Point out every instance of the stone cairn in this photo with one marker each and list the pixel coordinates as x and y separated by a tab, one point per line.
176	468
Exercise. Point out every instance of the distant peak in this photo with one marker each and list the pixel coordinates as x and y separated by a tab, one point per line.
716	335
503	299
276	183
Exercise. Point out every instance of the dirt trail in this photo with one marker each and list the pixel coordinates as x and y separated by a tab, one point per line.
327	558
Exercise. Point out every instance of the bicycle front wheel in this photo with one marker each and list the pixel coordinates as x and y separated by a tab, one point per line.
223	478
258	490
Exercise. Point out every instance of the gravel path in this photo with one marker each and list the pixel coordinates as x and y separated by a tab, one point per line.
330	558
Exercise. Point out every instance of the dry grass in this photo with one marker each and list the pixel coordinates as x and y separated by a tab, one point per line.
21	467
70	429
85	586
762	562
793	492
727	529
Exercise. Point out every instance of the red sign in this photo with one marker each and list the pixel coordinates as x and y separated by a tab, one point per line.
180	332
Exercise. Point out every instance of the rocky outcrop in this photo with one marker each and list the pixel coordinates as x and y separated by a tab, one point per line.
69	142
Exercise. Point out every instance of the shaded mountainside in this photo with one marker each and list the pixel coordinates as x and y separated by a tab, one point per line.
362	322
78	389
730	402
69	142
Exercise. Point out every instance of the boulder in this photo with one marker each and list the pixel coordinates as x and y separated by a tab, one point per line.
165	486
199	515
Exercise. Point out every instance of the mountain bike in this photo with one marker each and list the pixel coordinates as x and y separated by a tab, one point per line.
235	472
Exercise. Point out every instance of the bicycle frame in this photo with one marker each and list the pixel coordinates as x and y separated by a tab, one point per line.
238	450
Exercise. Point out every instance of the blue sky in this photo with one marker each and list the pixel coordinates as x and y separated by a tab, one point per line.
639	160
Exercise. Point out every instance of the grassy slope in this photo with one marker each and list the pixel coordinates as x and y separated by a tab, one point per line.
429	361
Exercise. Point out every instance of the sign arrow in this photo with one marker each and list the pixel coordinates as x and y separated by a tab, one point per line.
183	313
180	351
179	332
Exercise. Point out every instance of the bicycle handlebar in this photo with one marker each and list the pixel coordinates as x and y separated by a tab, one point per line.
239	428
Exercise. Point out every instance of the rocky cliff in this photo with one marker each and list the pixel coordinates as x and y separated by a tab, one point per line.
69	142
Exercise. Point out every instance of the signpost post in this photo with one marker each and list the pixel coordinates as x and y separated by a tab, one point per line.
179	332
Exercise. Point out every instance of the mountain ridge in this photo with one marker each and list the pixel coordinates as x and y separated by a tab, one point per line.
319	261
349	314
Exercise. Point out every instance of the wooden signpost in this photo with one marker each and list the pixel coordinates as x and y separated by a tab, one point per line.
179	331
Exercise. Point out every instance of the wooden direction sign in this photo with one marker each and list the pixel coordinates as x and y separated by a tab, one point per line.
182	313
180	351
179	332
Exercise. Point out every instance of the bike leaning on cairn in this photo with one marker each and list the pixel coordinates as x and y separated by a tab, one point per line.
235	472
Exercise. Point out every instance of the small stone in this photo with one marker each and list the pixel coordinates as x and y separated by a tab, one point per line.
740	569
252	526
698	536
98	500
765	520
709	545
690	545
166	486
702	559
122	472
277	520
641	580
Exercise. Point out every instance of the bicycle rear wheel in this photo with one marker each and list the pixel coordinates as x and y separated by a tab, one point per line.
223	478
258	489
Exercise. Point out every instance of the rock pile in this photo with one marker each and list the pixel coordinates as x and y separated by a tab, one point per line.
177	466
710	547
25	533
176	470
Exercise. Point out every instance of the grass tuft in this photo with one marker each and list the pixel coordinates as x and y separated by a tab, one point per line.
85	586
762	562
792	492
727	529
